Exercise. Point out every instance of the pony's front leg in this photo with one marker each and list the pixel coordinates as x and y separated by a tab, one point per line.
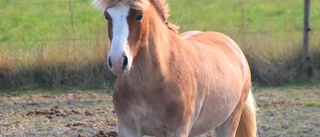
124	131
177	133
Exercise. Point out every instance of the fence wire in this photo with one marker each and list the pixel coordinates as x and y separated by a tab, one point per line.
73	24
71	4
46	23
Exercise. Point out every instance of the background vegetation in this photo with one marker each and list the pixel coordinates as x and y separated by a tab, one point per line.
62	43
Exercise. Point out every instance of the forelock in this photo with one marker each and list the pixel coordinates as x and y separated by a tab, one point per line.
161	6
102	5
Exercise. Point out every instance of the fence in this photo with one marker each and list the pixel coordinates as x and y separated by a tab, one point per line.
63	42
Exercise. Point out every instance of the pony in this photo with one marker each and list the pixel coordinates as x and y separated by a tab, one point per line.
175	85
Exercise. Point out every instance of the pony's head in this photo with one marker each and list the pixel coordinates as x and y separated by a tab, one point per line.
129	28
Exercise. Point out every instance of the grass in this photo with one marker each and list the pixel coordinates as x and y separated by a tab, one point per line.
269	32
47	43
313	104
54	91
106	87
39	21
232	16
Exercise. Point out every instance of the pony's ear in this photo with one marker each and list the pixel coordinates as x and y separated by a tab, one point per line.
102	5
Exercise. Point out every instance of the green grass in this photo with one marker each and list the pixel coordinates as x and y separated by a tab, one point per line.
234	15
34	91
39	21
54	43
313	104
269	32
105	88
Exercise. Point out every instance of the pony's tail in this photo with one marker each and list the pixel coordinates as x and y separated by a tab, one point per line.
248	126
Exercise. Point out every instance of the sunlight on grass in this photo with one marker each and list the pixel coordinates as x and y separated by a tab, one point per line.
269	32
313	104
49	42
43	21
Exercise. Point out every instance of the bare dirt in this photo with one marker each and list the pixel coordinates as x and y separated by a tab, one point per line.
283	112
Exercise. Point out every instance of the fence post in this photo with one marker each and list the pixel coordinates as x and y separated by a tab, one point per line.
306	68
72	23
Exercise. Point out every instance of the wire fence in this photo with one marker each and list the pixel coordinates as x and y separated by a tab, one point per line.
41	2
75	23
48	21
71	21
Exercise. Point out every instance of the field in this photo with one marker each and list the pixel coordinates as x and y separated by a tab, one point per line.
282	112
47	43
54	80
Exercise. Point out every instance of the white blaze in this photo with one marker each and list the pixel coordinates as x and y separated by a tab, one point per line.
120	29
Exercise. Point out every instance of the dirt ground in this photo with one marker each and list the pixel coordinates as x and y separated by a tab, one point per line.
283	112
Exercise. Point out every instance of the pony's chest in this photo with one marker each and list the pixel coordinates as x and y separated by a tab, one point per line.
148	112
144	116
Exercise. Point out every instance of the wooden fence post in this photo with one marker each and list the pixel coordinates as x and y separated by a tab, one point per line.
306	68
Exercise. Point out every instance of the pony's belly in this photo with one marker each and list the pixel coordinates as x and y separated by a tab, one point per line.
213	113
206	123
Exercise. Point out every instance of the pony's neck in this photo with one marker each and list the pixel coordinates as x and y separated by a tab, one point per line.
152	60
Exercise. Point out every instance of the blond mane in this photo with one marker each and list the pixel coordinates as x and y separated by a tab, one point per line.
164	11
161	6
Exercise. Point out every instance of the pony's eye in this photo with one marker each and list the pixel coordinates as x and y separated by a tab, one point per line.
106	17
139	17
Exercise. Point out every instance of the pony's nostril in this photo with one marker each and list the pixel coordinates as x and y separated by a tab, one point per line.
125	62
110	63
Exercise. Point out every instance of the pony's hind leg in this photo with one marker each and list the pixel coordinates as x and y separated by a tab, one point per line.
229	127
248	126
242	121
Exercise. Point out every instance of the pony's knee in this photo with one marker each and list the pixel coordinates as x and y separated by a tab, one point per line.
127	132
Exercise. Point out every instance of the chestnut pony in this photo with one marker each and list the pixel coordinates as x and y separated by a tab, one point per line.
172	85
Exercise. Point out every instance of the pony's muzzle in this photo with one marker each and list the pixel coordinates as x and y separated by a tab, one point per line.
118	65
